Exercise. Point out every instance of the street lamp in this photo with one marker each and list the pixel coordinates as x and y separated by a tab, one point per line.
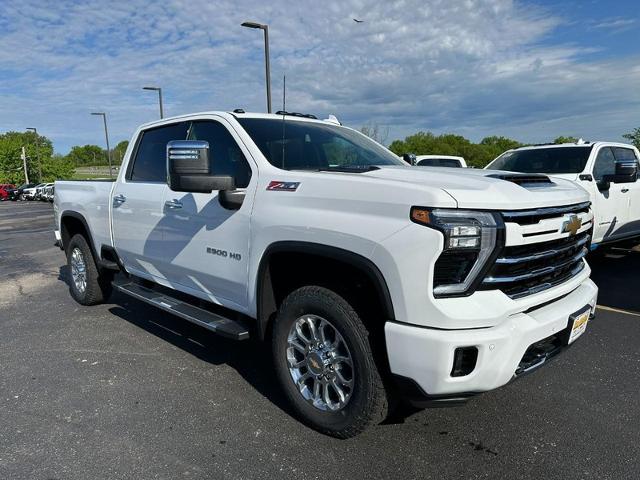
159	90
265	29
34	130
106	136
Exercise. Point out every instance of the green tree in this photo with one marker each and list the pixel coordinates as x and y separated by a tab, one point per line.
562	139
633	137
87	155
118	152
476	154
57	167
39	151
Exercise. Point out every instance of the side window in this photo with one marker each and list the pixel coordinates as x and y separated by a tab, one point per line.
624	154
605	164
227	158
150	163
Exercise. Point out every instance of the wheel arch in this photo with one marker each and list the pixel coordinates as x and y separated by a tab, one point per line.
345	261
72	223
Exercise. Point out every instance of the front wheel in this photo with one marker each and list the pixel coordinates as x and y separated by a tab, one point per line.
87	285
325	364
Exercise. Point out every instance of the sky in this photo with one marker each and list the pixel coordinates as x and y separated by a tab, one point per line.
529	70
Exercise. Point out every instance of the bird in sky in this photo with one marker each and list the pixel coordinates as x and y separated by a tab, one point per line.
358	21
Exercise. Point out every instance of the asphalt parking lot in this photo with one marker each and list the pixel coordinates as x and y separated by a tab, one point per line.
123	390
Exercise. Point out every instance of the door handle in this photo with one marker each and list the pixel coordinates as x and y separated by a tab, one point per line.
119	200
173	204
624	190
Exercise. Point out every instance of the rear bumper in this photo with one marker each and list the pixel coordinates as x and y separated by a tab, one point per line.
425	356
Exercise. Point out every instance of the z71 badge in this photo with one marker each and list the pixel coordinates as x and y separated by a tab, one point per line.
283	186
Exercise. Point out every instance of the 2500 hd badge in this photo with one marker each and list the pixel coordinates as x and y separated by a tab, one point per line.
224	253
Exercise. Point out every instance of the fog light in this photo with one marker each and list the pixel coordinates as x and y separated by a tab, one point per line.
464	361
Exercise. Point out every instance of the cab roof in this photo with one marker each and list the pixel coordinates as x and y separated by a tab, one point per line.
238	113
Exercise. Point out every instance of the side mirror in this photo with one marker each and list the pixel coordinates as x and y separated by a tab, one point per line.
410	158
626	172
189	167
604	184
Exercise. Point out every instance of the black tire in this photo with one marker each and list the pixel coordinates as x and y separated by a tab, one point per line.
368	404
98	285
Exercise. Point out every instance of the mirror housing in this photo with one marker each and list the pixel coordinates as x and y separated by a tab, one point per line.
410	158
604	184
625	172
189	167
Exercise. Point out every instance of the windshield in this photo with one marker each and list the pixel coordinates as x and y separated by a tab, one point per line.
439	162
296	145
543	160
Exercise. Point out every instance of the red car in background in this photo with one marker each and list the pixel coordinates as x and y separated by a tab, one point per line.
4	190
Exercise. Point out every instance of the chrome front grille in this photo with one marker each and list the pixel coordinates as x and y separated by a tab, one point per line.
530	267
529	217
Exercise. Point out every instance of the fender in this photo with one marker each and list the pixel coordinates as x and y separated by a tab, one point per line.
265	300
79	217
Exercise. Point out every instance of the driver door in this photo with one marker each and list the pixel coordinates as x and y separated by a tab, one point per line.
612	205
631	190
207	234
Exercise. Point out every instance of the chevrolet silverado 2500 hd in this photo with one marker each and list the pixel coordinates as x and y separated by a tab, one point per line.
608	171
372	279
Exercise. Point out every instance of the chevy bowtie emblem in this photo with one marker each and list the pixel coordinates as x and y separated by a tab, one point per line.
572	225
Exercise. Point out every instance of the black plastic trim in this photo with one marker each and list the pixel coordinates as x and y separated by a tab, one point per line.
413	393
81	219
109	258
266	305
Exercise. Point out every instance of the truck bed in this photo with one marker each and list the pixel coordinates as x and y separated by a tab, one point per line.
91	199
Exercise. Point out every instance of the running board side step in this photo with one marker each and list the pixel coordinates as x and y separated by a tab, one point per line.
211	321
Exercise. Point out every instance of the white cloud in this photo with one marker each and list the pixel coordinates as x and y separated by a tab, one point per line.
473	67
616	23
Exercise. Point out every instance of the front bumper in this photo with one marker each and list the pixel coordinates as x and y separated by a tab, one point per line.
426	355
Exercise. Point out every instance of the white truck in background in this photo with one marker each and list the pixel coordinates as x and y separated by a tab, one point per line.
440	161
371	279
607	170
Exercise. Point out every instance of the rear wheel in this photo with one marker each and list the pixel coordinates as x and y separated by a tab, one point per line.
325	364
87	284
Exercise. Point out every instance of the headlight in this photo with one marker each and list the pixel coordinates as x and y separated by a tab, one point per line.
470	240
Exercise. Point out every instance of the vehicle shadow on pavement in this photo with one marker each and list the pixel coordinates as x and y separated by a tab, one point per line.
616	274
250	358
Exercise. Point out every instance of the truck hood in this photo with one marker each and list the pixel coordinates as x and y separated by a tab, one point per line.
487	189
566	176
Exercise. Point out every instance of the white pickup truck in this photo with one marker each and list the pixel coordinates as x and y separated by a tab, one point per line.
608	171
372	280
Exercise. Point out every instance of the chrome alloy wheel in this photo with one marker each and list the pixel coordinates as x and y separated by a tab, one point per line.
320	363
78	270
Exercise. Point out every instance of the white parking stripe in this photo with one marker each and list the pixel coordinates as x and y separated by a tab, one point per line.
617	310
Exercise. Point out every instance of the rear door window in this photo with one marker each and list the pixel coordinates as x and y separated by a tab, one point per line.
150	162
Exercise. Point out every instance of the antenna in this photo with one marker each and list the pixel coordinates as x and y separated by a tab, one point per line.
284	111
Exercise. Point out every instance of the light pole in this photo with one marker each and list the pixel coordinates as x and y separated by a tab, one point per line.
34	130
265	29
106	136
159	90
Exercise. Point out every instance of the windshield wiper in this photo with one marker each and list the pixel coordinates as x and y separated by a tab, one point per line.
350	168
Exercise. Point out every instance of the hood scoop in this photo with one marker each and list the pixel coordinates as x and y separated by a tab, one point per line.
525	180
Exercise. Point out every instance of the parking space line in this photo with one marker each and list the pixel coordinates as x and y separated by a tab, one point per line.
618	310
